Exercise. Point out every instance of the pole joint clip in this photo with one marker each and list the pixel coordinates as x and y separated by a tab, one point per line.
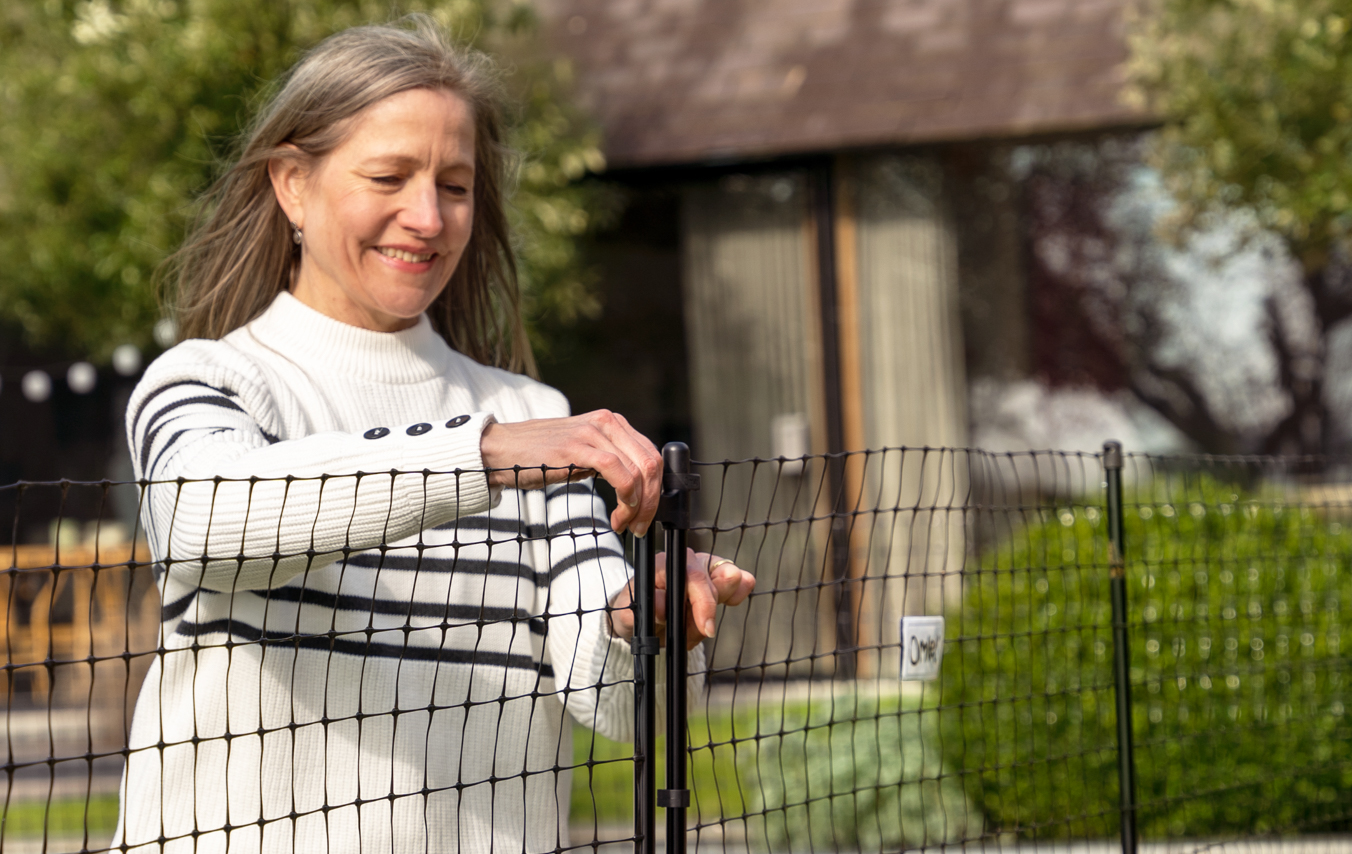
645	646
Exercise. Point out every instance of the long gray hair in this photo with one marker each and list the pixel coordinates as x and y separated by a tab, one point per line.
239	254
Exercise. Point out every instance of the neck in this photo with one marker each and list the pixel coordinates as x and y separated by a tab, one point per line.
331	302
309	337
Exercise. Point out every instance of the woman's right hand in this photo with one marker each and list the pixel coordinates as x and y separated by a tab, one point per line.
597	443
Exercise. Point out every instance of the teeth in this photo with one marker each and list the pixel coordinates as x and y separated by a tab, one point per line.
403	256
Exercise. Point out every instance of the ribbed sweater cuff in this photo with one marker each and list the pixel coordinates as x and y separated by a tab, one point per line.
455	465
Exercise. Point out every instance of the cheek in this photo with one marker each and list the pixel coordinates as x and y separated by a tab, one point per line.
354	220
367	223
461	221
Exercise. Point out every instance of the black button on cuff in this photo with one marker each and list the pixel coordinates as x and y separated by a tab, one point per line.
418	429
458	420
377	433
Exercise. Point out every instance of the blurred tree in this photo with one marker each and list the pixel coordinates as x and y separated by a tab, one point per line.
117	113
1256	96
1182	324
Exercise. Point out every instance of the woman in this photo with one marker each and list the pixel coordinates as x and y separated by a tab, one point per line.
355	658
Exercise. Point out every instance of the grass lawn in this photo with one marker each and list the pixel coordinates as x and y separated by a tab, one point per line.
604	790
26	820
603	781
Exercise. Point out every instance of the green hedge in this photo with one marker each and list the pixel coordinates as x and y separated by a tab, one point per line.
1239	670
853	770
859	771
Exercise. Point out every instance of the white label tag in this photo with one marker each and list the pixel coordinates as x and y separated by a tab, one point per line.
922	647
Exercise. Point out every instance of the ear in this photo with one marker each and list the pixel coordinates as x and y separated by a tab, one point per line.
288	175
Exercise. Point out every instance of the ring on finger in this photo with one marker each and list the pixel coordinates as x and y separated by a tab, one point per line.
719	563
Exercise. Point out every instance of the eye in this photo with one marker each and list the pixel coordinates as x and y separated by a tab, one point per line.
455	189
387	180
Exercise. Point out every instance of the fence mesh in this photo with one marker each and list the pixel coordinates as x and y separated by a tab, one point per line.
1241	578
414	683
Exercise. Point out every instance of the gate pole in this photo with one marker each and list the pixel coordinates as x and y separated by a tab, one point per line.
677	484
645	648
1126	761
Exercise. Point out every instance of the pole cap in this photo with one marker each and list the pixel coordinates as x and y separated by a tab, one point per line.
676	456
1112	454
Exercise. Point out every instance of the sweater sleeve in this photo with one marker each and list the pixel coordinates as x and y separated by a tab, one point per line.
593	670
231	506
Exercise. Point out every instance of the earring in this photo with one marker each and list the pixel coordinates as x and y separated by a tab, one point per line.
295	234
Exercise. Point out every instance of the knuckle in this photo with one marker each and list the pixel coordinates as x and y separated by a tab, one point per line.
609	462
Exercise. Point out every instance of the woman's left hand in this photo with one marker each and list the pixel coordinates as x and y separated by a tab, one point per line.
598	443
710	581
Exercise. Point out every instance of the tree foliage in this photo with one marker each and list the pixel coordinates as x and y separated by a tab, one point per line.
1256	96
1189	327
118	113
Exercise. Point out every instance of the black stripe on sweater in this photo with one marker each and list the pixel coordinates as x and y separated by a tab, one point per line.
569	489
149	442
173	610
576	558
415	563
166	387
167	445
334	642
501	568
210	399
578	525
497	525
448	613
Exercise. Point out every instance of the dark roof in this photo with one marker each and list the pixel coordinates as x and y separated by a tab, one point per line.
682	81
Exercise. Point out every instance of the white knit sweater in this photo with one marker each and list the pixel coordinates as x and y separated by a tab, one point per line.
359	662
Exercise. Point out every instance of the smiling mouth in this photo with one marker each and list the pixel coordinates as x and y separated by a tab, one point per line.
401	255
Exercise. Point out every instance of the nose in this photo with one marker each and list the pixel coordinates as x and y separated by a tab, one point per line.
421	213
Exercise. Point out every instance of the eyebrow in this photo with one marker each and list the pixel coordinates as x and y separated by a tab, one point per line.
405	160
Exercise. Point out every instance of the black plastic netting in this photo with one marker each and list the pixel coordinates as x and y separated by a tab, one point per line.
461	689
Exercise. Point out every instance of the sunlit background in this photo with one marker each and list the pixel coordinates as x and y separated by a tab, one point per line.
766	228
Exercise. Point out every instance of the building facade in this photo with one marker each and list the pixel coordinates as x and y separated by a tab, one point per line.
832	188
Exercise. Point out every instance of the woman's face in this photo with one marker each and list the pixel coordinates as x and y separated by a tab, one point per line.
387	214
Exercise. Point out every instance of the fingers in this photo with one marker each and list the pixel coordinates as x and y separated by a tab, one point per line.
706	589
639	485
600	443
660	599
701	598
731	585
620	615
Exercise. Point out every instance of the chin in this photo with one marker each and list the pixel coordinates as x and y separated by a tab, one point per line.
408	305
401	319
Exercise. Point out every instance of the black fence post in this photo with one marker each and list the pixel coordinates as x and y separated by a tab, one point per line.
1126	761
677	484
645	646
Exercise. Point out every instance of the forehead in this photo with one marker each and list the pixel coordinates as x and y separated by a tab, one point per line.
415	123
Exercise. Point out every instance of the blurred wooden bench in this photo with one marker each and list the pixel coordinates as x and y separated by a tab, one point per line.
78	622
